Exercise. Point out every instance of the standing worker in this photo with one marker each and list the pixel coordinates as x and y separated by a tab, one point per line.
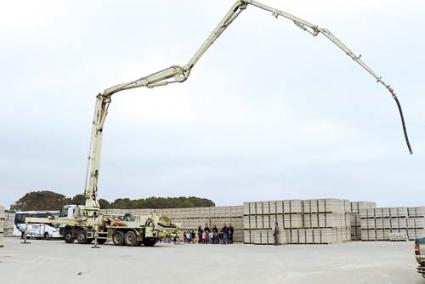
225	231
200	230
231	231
276	234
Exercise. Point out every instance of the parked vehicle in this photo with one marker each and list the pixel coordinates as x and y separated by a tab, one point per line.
84	225
420	255
41	230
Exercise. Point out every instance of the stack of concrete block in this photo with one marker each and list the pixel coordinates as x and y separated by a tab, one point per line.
319	221
9	223
355	208
192	218
2	217
397	223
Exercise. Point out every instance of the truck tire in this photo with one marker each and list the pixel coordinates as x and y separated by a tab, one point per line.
46	236
118	238
149	242
130	238
68	237
81	237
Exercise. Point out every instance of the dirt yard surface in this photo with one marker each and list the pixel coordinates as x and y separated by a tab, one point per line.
47	262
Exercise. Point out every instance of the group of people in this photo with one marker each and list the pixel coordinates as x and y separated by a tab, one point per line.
210	236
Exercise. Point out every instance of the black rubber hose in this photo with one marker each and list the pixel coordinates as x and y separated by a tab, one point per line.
406	137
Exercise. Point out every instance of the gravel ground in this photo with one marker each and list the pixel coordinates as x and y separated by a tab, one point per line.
355	262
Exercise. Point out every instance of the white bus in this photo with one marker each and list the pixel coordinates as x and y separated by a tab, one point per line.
45	231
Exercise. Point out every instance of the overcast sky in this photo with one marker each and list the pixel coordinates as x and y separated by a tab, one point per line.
269	112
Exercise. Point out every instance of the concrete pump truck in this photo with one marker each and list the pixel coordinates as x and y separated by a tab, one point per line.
86	222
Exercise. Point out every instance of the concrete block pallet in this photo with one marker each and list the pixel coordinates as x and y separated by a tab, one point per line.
298	236
9	223
397	223
318	221
2	218
355	208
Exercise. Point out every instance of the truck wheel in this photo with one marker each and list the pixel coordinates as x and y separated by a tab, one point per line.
149	242
130	239
68	237
81	237
46	236
118	238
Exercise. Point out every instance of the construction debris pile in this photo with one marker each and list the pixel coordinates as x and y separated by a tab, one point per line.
392	224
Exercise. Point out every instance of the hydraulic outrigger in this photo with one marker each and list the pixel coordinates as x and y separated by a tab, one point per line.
89	215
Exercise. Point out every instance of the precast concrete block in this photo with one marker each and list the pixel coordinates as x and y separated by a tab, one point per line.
387	223
294	236
302	236
279	207
252	222
296	220
266	208
259	206
419	222
266	222
386	212
309	236
286	206
280	221
273	220
379	223
403	212
259	221
306	206
296	206
371	223
307	221
273	207
252	208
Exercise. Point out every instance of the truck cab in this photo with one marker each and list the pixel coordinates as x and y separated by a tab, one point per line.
68	211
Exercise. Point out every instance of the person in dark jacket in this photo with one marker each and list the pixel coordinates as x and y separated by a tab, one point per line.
225	231
193	235
276	234
206	228
207	233
231	231
215	231
200	234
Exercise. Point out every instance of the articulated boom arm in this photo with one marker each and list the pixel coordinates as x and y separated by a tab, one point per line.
179	74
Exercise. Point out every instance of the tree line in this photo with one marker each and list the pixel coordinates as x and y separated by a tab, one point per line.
49	200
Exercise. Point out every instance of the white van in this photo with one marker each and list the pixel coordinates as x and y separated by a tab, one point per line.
45	231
